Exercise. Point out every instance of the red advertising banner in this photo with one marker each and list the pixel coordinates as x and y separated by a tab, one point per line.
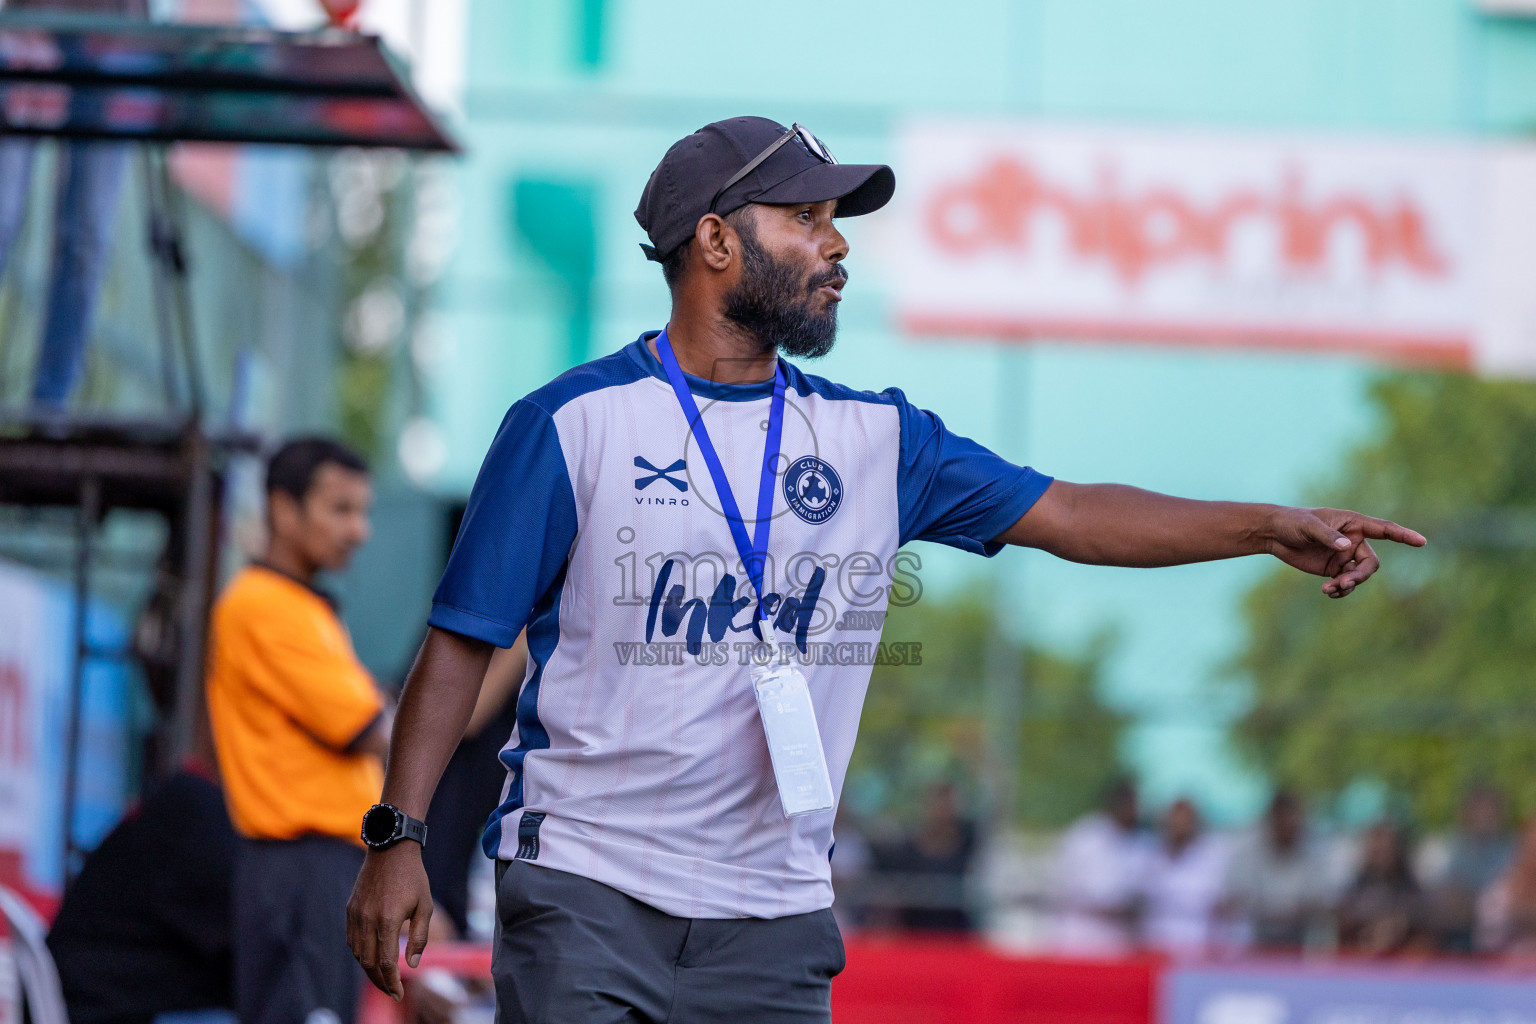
917	981
908	980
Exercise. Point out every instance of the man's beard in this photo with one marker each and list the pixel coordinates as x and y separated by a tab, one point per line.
772	302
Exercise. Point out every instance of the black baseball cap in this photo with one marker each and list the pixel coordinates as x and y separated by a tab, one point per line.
689	177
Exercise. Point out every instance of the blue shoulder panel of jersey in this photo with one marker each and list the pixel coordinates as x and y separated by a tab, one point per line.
517	531
954	491
810	384
950	489
611	371
521	518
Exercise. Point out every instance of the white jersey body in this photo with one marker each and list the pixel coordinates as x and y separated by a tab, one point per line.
639	758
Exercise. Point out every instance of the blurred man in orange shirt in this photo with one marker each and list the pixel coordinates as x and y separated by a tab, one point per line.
301	733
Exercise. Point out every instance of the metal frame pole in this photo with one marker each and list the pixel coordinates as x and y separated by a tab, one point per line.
154	229
173	304
1005	668
196	592
86	514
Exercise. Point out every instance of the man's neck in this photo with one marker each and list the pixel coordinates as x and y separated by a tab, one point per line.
709	346
285	560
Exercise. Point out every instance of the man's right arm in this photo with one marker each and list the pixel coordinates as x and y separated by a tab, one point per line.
519	526
392	888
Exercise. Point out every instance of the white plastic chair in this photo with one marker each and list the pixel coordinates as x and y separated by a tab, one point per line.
34	964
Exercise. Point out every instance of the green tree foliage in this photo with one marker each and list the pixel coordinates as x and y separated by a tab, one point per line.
1423	679
928	722
371	197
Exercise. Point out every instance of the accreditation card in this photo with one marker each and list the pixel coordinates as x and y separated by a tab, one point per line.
794	741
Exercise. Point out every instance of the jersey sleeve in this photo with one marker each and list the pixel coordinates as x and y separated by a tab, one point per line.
517	532
308	669
954	491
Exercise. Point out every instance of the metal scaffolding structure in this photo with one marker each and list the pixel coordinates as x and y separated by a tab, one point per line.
83	77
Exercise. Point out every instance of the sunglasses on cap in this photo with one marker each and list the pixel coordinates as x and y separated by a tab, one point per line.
812	145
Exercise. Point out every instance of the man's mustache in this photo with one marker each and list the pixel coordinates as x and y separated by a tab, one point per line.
836	276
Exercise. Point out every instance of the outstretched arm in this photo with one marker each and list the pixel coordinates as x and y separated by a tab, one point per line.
1112	524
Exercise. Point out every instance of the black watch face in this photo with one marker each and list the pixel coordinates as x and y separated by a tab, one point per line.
379	826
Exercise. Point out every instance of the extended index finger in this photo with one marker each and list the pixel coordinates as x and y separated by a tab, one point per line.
1385	529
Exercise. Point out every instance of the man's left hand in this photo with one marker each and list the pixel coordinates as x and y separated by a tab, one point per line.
1335	543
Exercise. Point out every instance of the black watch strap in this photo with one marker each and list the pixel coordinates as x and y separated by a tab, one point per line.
413	828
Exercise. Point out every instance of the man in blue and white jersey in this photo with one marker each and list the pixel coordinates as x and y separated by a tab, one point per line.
662	855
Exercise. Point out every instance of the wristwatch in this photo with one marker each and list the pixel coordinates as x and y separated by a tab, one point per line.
385	825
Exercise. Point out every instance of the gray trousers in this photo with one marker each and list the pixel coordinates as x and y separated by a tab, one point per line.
573	951
290	930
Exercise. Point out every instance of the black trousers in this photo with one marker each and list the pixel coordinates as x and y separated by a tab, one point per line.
290	930
573	951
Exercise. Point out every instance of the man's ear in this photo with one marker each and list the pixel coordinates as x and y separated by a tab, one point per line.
283	512
717	241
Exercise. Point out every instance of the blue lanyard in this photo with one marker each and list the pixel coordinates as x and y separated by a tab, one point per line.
753	551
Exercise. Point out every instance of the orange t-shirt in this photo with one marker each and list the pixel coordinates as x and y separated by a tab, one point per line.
286	694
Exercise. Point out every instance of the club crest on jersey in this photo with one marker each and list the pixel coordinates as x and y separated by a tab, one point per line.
813	489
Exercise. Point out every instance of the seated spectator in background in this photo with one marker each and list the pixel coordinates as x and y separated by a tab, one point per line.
145	928
1382	911
1506	913
1480	852
931	865
1100	867
1183	884
1277	880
